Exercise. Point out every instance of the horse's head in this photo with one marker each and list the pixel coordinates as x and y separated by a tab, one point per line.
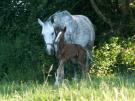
49	35
51	28
60	35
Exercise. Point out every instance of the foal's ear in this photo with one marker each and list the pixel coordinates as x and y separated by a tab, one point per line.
57	39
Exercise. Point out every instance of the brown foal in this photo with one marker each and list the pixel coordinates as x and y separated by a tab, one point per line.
69	52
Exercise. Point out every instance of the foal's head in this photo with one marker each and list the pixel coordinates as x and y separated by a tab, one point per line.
60	36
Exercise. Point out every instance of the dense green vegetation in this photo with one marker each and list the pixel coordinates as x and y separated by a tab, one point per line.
22	53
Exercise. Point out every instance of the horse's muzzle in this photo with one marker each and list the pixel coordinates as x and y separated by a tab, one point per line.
50	51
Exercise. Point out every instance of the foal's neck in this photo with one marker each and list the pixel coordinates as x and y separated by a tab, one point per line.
61	42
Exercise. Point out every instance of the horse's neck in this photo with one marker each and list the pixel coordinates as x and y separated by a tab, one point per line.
71	30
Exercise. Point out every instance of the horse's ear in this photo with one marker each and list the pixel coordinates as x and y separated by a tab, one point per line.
40	22
64	30
52	19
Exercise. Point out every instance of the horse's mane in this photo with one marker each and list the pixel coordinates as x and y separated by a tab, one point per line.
63	13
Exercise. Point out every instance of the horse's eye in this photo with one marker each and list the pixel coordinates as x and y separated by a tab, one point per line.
52	33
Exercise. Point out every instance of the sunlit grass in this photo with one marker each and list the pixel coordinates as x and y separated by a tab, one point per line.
116	88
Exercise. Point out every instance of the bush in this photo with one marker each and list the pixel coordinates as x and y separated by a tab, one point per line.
116	55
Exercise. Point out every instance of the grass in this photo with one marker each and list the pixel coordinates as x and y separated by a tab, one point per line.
113	88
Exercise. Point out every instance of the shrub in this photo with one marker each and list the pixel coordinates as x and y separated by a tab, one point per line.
116	55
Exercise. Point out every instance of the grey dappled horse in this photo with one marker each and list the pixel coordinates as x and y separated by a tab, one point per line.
79	30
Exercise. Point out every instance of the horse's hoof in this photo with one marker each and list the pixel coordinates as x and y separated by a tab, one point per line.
56	83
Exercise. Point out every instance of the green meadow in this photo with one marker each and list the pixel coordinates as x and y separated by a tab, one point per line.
111	88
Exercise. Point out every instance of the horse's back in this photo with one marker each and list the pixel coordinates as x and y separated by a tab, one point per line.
85	28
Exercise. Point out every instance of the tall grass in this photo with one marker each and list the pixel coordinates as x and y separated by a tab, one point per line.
93	89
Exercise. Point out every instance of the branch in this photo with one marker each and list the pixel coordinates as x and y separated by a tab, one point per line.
99	13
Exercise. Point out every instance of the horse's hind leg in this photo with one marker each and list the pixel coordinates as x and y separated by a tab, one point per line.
88	63
85	67
82	66
89	56
59	76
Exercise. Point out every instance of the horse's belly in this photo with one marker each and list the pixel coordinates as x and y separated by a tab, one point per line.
82	40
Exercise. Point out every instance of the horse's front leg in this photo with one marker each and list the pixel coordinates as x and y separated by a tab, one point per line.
59	76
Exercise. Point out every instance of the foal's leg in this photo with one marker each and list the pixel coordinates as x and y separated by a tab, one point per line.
75	73
75	66
59	76
83	70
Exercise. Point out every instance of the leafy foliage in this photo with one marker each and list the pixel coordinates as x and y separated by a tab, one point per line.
116	55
